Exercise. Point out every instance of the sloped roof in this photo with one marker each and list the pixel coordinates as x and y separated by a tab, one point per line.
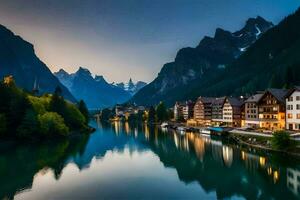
234	101
206	99
218	101
254	98
279	94
291	91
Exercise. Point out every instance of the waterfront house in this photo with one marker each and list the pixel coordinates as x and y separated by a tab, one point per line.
292	100
251	111
232	112
178	110
188	110
272	109
203	111
217	111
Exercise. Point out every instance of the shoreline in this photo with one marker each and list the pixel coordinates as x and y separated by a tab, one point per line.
238	137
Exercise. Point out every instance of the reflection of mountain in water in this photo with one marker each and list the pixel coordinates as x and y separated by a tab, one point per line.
19	164
218	166
99	144
223	167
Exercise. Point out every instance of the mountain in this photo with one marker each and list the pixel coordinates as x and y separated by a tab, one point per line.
193	67
95	91
130	86
17	58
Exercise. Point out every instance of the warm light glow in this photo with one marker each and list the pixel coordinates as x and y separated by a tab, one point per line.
243	155
262	161
269	170
275	176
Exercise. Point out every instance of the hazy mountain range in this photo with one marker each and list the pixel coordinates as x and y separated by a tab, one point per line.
17	58
96	91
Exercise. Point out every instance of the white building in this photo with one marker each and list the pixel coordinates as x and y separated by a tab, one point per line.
293	109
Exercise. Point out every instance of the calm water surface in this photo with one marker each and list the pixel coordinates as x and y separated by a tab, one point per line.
120	161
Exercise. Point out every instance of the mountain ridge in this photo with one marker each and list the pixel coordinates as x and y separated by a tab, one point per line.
212	55
18	58
95	91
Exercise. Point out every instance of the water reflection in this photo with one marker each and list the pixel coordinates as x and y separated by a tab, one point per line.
119	155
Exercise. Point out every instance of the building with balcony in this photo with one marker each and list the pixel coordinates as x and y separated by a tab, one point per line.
232	112
251	111
203	111
292	100
217	111
178	110
272	109
188	110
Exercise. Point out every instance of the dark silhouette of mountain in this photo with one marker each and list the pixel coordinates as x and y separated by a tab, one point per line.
130	86
17	58
182	79
95	91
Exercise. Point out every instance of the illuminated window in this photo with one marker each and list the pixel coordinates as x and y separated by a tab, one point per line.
298	116
290	116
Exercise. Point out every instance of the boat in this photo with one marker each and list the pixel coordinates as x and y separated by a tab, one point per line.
181	130
164	125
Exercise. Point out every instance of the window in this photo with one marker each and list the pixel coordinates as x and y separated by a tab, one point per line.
290	99
298	98
290	116
298	116
298	106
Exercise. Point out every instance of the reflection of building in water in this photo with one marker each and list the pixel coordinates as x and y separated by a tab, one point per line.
293	180
253	162
199	145
117	126
217	154
147	133
127	128
227	155
135	132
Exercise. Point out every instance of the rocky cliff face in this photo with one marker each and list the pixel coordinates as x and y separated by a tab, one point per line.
95	91
17	58
191	65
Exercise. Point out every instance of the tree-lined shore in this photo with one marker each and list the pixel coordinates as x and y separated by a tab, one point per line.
24	115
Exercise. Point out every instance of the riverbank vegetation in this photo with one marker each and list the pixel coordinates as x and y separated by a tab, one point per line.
152	115
25	116
279	142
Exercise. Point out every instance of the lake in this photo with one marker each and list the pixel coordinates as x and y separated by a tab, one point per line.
120	161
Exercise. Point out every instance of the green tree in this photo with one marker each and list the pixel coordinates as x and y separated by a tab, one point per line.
161	112
281	140
152	115
57	102
52	124
29	126
84	111
106	115
3	125
73	117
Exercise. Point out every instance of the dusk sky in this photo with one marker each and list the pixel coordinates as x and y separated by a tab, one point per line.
127	38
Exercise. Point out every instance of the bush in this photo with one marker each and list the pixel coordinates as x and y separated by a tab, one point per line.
73	117
53	124
281	140
29	126
39	104
3	125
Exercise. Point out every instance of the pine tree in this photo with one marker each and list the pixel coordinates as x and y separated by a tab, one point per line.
152	115
84	111
29	125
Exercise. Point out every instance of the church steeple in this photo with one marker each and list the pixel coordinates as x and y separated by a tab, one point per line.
35	89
